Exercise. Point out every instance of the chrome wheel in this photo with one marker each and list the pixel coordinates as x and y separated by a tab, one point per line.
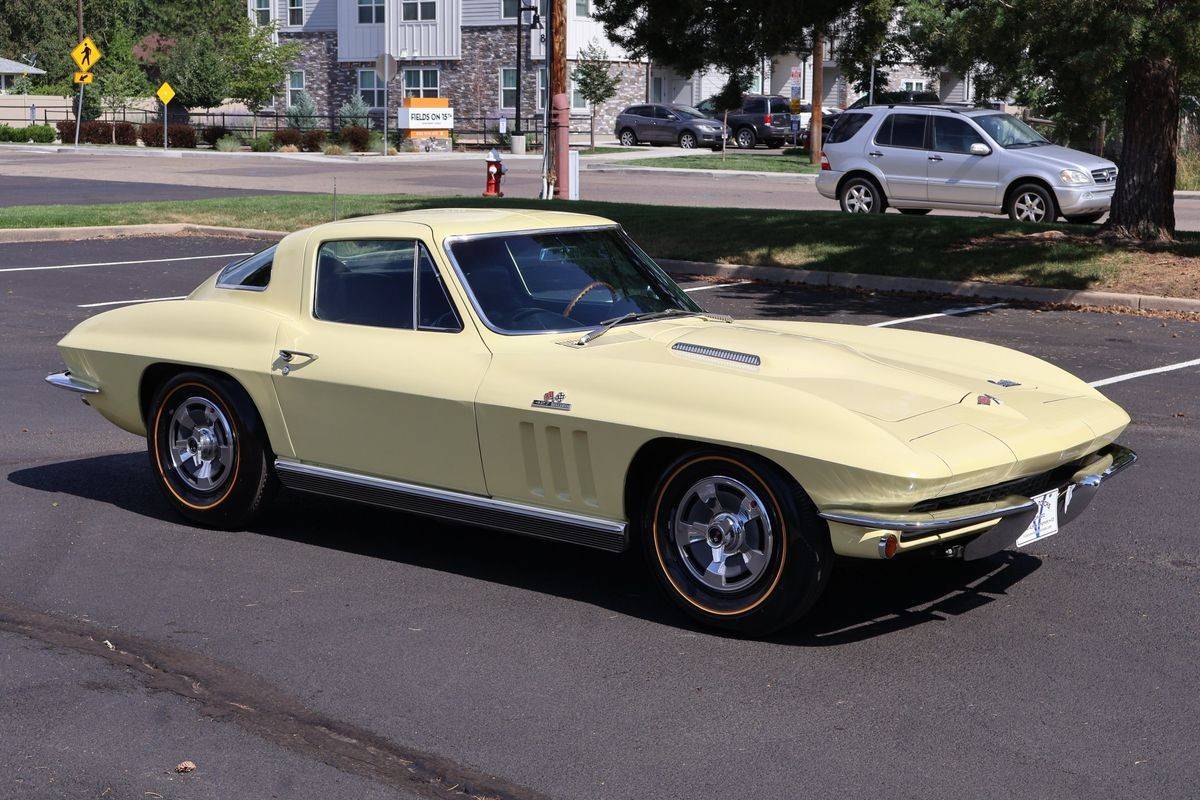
745	138
687	141
860	199
1030	207
202	444
723	534
628	139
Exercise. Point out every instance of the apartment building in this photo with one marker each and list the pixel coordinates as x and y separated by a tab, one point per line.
463	50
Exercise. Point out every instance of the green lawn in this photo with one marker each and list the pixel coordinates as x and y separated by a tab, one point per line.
732	160
602	150
957	248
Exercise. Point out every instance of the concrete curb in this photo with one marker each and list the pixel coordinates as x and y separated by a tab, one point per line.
13	235
886	283
706	173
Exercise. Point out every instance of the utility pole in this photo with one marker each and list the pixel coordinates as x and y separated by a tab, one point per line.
81	20
818	91
520	72
560	101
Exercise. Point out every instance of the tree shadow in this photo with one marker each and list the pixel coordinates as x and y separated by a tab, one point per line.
864	599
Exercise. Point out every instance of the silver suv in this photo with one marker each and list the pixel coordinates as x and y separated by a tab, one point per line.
918	158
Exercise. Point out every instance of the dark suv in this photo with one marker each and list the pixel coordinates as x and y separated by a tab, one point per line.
762	119
653	123
902	97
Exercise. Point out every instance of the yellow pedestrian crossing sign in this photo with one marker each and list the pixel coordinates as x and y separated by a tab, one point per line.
86	54
84	77
165	93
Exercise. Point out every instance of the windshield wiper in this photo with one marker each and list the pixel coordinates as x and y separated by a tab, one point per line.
635	316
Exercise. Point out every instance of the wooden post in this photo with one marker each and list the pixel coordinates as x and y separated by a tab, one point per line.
818	91
557	73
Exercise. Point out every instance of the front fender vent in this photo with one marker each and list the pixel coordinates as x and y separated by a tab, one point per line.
748	359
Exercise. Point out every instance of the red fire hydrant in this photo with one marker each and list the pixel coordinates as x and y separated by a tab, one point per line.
495	171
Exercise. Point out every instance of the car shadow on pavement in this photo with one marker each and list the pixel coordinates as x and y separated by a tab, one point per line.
864	599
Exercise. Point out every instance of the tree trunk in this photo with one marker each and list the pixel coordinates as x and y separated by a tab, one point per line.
592	127
1143	206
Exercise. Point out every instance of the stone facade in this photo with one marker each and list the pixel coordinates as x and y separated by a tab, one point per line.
472	83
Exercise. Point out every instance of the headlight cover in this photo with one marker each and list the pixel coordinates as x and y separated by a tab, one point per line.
1074	177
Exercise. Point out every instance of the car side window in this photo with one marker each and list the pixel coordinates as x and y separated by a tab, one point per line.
755	105
662	113
636	111
253	273
951	135
846	126
435	311
366	282
903	130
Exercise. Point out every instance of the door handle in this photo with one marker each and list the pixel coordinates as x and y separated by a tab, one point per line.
875	154
288	355
935	158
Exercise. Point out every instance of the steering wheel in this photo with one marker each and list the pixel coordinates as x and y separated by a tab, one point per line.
526	315
593	285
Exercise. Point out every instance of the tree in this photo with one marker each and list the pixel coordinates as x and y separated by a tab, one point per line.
260	65
301	114
1080	59
197	70
354	112
120	78
594	81
22	84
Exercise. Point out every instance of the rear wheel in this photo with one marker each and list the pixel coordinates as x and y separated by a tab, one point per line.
746	138
861	195
1032	203
208	448
1085	219
628	137
735	543
687	140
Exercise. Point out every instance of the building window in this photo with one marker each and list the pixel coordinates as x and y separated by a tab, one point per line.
583	8
420	83
295	86
577	101
914	85
508	87
370	11
418	10
295	12
370	88
543	89
508	8
262	12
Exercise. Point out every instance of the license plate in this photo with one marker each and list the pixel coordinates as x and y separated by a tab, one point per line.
1045	523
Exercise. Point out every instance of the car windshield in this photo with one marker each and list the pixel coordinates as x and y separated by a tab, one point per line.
1008	131
687	112
563	280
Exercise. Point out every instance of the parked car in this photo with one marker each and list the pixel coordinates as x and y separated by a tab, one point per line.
653	123
535	372
762	119
902	97
918	158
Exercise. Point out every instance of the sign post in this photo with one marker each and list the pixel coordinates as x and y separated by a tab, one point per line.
85	55
165	93
385	65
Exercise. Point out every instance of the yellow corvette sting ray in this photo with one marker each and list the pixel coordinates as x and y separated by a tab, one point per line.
535	372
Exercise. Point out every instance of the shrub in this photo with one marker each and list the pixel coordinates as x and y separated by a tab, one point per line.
374	142
228	144
42	134
96	132
332	150
288	136
125	132
181	134
263	144
213	133
313	141
7	134
289	148
354	112
66	130
356	137
151	133
302	114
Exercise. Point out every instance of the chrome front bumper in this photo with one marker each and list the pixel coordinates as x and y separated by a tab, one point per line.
1014	511
64	380
1084	199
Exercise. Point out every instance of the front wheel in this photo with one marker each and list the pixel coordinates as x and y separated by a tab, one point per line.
735	543
1085	219
687	140
746	139
1032	203
628	138
208	449
861	195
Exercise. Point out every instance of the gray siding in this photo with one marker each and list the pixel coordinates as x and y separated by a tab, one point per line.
319	15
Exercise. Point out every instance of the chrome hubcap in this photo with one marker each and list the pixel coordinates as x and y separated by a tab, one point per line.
1030	208
627	139
201	442
687	142
859	199
745	139
722	533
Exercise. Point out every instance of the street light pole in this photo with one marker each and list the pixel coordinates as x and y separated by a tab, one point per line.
534	23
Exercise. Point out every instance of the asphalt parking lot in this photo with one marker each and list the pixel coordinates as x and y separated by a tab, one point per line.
347	652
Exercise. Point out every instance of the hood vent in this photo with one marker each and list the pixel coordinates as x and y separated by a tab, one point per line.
748	359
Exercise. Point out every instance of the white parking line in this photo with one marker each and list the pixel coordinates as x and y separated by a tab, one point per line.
708	286
1128	376
129	302
122	263
950	312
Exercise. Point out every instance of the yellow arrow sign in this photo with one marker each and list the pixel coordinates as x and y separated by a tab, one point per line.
86	54
165	93
84	77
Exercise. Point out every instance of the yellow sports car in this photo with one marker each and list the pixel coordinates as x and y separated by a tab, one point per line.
535	372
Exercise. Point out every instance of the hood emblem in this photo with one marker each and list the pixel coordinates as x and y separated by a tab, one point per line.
553	400
988	400
1004	382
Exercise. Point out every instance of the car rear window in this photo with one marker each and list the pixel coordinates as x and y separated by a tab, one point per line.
780	106
903	130
755	105
252	273
845	127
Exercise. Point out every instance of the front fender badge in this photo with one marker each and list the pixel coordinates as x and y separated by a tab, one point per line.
988	400
553	400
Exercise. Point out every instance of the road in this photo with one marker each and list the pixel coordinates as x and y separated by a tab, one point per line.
343	652
63	177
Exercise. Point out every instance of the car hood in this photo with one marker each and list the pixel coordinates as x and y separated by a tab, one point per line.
1061	157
